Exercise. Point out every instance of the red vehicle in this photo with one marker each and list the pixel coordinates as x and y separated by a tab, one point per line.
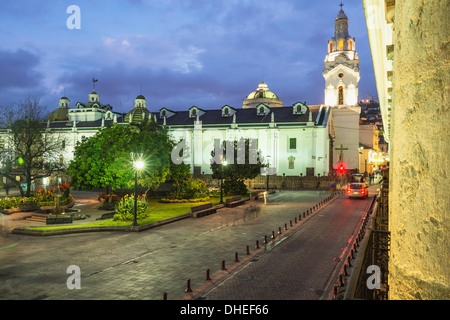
357	190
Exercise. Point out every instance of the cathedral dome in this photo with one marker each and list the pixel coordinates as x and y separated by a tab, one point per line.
60	114
262	92
262	95
137	115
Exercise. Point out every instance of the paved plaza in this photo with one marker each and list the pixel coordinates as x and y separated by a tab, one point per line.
144	265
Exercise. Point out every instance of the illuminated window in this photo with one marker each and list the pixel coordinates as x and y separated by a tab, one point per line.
350	45
341	44
331	46
341	95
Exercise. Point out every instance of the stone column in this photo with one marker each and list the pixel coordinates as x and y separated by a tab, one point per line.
419	198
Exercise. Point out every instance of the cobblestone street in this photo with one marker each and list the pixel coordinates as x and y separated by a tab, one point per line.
144	265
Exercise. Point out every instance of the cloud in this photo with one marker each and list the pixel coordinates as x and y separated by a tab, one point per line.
18	69
151	51
182	52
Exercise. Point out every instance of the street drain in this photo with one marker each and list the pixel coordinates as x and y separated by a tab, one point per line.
244	277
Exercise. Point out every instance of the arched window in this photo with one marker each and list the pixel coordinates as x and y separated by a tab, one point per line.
341	44
331	46
341	95
350	45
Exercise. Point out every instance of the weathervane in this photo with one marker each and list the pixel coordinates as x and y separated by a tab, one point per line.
93	82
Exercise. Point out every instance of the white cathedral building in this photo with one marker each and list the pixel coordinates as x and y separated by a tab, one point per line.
294	140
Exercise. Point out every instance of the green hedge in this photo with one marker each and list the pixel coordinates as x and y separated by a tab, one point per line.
166	200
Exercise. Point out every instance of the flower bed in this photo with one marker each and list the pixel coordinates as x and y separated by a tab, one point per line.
41	198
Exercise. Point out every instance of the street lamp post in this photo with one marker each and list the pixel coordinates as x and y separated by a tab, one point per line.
138	164
224	163
267	173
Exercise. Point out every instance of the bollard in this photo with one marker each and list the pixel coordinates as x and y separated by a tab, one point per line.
352	254
304	214
207	275
248	250
223	265
279	230
341	282
164	295
265	239
257	244
335	290
345	270
273	234
236	259
290	222
295	219
348	261
188	286
285	226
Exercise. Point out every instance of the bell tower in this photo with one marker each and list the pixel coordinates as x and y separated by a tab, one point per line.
341	71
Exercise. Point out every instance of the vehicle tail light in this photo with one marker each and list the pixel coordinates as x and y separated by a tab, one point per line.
363	191
348	190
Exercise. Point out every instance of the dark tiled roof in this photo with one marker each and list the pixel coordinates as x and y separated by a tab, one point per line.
243	116
82	124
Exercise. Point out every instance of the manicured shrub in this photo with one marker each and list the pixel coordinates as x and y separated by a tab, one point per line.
168	200
234	187
190	189
125	208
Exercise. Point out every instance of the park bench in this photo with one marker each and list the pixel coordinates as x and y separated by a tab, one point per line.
234	202
255	195
202	210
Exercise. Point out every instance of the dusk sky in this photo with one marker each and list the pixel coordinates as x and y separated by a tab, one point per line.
177	53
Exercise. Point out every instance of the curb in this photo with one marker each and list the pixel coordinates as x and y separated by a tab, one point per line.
30	232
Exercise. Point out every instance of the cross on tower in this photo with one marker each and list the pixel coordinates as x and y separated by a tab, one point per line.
341	5
341	156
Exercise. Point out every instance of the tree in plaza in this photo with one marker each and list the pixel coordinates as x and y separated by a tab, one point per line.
98	161
241	167
104	160
28	150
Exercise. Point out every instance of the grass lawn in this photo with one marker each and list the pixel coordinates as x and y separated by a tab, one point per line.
158	211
